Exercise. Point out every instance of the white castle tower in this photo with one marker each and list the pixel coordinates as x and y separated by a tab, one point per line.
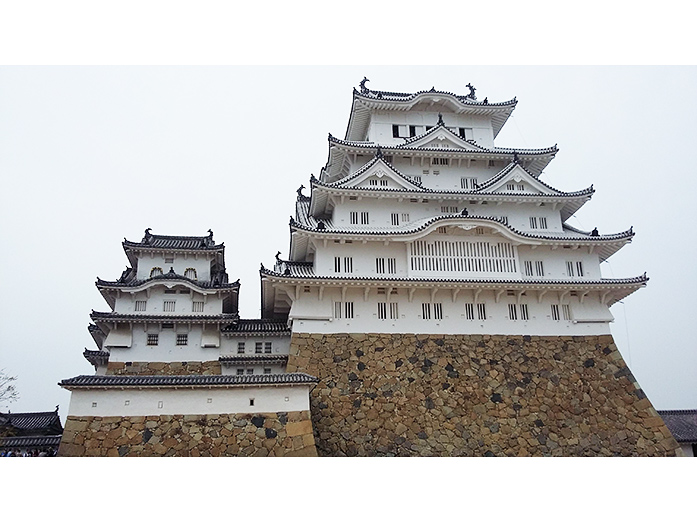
174	351
418	223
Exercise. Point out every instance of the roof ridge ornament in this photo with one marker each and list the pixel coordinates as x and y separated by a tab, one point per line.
148	237
472	90
300	190
440	119
362	83
516	160
378	153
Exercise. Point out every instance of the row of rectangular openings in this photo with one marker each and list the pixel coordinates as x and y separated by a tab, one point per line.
347	264
355	215
463	256
260	347
384	308
397	218
169	306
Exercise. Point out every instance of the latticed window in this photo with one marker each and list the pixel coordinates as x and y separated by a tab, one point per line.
182	339
267	371
469	311
240	347
140	305
539	268
555	312
382	310
348	310
169	306
190	273
258	346
353	217
197	306
155	271
533	222
394	310
395	218
153	339
543	222
512	312
524	315
364	218
438	311
267	347
481	311
566	312
240	372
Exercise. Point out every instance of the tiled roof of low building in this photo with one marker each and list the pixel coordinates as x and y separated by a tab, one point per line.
31	423
24	442
681	423
256	327
273	359
153	241
160	381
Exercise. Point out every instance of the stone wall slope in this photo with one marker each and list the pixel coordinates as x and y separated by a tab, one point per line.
475	395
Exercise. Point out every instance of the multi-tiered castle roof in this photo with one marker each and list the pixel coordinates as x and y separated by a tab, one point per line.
417	183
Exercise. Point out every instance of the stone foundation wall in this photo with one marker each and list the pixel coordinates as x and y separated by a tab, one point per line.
268	434
477	395
178	368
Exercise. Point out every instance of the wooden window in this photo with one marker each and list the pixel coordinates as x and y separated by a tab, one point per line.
395	218
337	310
426	311
539	268
140	305
169	306
481	311
533	222
170	291
373	182
405	217
524	315
348	264
417	179
348	310
510	187
438	311
353	217
440	161
463	256
448	209
521	187
380	265
251	371
240	347
412	131
566	312
469	311
153	339
394	310
392	265
382	310
579	268
267	347
512	312
337	264
383	183
364	218
570	269
267	371
466	132
190	273
258	346
555	312
543	222
169	259
182	339
240	372
528	268
197	306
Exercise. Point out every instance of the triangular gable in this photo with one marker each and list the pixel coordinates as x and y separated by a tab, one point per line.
382	171
440	137
514	173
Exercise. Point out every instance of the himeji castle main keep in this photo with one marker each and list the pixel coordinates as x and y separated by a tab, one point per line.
434	302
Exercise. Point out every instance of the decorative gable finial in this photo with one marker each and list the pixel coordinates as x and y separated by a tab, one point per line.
472	90
278	256
515	157
364	89
148	237
210	235
595	232
300	191
486	101
440	119
378	153
433	89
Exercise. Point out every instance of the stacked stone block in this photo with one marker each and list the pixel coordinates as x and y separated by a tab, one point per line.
268	434
476	395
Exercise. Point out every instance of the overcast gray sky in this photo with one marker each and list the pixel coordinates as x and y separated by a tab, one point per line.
90	155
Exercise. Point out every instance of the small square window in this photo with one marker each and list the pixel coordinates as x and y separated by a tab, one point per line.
267	371
182	339
140	305
257	347
251	402
267	347
240	347
153	339
240	372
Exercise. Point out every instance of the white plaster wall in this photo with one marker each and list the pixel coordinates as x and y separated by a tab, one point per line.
212	303
182	261
112	402
380	212
167	349
229	344
311	315
380	129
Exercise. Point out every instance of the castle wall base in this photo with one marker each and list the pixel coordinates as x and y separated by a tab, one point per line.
476	395
267	434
